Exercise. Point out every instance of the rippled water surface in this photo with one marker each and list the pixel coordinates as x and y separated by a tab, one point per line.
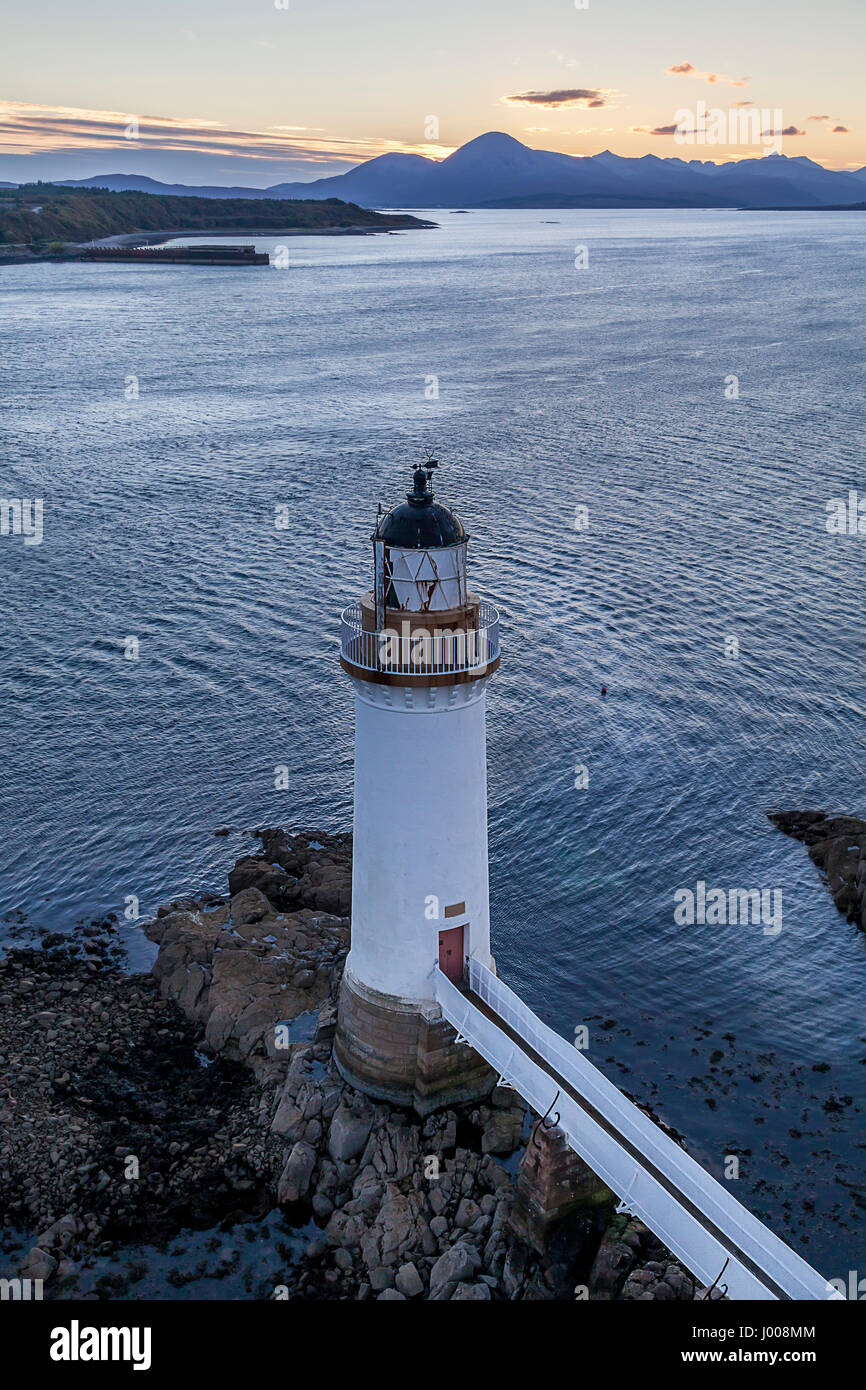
558	387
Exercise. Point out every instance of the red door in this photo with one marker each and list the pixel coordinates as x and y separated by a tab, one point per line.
451	953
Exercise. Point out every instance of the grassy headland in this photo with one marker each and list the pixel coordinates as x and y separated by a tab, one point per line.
45	213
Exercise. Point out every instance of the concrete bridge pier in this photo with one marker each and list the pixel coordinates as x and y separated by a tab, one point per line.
553	1183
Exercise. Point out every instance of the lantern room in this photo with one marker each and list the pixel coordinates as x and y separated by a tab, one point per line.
419	551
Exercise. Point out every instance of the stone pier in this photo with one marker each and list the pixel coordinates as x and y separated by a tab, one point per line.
553	1183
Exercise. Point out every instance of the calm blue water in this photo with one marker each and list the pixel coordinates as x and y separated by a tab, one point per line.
558	386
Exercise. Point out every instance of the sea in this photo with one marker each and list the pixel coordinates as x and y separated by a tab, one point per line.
645	420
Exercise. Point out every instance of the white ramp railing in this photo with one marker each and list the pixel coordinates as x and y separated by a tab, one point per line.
692	1213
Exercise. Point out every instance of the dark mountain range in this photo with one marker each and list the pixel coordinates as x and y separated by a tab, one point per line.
495	170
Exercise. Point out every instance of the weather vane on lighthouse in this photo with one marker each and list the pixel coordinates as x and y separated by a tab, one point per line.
420	650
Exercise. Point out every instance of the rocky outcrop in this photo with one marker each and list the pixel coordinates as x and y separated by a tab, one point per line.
291	874
837	845
414	1211
244	969
631	1264
216	1076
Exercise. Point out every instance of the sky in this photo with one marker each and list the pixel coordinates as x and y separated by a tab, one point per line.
255	93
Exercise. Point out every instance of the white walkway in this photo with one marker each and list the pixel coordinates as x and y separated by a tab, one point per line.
695	1216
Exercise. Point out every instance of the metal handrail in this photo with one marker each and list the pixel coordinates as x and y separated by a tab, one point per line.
693	1214
423	649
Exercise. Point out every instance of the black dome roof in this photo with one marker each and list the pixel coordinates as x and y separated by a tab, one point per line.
419	523
420	528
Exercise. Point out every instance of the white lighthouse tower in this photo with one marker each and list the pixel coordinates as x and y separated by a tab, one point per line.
420	649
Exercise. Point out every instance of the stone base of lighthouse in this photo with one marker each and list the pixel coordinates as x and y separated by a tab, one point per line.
405	1052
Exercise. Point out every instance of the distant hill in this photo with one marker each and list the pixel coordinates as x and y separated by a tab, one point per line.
139	183
495	170
52	212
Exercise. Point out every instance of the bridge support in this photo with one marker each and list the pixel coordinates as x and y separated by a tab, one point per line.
553	1182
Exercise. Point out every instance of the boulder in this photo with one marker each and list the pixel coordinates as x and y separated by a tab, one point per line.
393	1230
295	1178
350	1130
250	905
61	1235
327	887
247	872
454	1266
409	1281
219	1027
502	1129
617	1257
37	1264
288	1120
514	1270
467	1213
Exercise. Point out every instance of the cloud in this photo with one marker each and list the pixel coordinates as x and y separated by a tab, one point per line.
567	96
789	130
689	70
837	129
39	129
656	130
28	129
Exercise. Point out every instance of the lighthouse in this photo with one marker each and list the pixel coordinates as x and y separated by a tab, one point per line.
420	649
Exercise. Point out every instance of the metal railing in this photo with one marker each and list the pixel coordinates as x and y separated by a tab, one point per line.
656	1180
418	650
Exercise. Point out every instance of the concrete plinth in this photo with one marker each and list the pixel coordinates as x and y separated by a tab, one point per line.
404	1053
553	1182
